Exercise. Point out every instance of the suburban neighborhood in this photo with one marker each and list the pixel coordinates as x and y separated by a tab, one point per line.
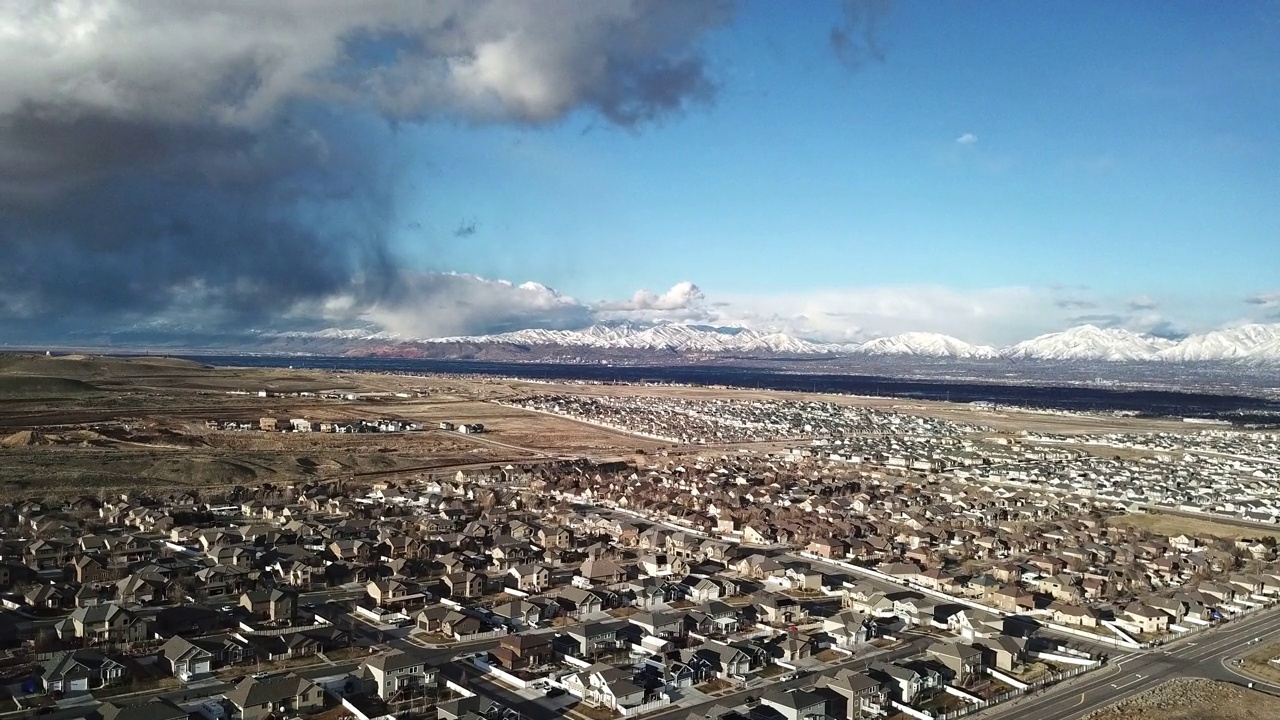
821	560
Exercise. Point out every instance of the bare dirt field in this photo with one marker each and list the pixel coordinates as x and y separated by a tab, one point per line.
78	424
1188	699
522	428
1172	525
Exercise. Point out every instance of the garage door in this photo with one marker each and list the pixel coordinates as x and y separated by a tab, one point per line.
200	667
79	685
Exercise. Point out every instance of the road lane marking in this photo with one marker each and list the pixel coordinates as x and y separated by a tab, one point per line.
1050	696
1227	645
1136	679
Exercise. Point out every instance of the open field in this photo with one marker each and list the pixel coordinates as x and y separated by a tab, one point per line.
1194	700
37	386
525	429
86	423
79	424
1171	525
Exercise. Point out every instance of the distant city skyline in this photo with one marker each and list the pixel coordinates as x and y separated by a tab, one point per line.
833	171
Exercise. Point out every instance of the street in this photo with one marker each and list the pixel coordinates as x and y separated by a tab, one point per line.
1205	655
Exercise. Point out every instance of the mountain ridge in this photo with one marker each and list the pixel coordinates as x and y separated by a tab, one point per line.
1246	343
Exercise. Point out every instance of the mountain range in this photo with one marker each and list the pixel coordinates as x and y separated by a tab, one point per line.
1259	344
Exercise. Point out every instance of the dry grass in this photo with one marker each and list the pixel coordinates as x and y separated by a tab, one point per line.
146	427
1258	663
1172	525
523	428
1032	671
713	686
1194	700
594	713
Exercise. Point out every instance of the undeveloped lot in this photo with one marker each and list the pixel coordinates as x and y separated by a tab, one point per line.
75	425
1171	525
60	471
1194	699
1258	663
526	429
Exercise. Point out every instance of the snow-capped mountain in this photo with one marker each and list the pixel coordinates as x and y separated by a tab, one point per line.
681	338
1089	342
1258	344
340	334
1247	342
932	345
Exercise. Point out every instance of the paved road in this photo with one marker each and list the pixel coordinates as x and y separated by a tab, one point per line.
1205	655
334	594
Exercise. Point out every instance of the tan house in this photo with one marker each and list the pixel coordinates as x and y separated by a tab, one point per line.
530	578
1145	618
1012	598
281	695
390	592
828	548
274	604
1078	615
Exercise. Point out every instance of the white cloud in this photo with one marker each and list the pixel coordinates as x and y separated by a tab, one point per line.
681	296
92	87
450	304
994	316
434	304
239	62
1143	302
1266	300
1267	303
967	139
428	304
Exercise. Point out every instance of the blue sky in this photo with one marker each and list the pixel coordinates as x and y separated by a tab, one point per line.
1112	151
990	170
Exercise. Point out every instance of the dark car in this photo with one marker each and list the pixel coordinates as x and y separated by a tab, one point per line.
555	692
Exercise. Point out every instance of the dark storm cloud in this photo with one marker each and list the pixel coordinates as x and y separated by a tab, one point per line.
855	40
1168	330
222	229
224	163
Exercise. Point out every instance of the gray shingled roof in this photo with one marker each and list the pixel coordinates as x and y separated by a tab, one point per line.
274	688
